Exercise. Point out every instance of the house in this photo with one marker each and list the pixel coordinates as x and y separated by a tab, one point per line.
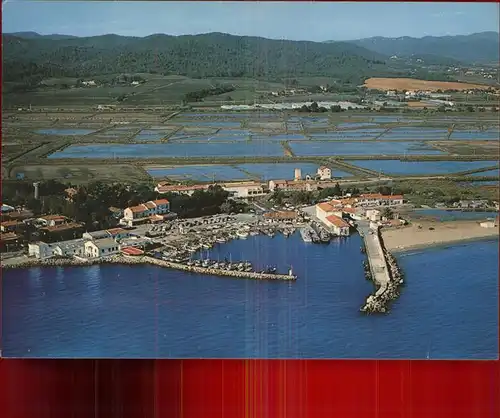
10	226
75	247
92	236
244	190
116	212
295	185
101	248
52	220
40	250
144	211
119	233
324	209
10	241
324	173
180	189
337	225
377	199
373	215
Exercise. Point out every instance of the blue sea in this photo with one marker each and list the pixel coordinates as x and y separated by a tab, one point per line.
448	308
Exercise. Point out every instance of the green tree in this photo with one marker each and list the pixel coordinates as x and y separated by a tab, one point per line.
387	213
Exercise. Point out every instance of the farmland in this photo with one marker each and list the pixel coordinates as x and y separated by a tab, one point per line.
413	84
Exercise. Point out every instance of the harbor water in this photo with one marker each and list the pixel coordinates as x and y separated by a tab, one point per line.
448	308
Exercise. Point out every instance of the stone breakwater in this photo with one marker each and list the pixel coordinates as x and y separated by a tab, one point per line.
63	262
379	301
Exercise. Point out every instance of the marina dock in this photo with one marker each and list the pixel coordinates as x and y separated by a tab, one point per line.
383	268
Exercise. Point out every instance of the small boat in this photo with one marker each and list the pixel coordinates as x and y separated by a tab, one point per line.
305	234
242	234
324	236
253	233
271	270
221	240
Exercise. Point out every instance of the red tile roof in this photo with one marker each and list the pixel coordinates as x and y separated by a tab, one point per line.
150	205
177	188
335	220
161	202
281	214
138	208
115	231
349	210
8	236
72	225
132	251
53	217
10	223
326	207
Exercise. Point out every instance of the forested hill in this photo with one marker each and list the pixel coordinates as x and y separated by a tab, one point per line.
481	47
208	55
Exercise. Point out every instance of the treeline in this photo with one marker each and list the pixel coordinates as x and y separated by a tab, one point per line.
89	204
201	56
315	108
198	96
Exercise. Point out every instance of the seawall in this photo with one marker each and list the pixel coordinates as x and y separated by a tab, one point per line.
387	279
63	262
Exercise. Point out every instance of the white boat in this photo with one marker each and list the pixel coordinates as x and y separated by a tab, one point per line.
305	234
242	234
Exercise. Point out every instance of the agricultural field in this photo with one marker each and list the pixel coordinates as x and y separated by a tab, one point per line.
414	84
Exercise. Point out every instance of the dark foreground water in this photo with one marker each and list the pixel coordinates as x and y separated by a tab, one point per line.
448	308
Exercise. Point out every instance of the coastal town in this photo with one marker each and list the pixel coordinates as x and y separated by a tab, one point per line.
152	233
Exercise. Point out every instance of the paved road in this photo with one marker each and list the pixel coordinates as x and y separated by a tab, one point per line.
375	256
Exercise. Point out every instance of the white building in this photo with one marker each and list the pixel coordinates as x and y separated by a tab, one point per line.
101	248
245	190
75	247
294	185
52	220
373	215
114	233
337	225
180	189
377	199
40	250
324	173
324	210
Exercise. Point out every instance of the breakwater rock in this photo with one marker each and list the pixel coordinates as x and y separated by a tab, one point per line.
118	259
379	301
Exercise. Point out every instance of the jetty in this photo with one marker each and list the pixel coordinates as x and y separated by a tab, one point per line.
131	260
381	268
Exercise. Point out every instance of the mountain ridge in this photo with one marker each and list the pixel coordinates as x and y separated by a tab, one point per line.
479	47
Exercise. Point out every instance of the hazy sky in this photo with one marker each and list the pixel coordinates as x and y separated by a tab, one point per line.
298	21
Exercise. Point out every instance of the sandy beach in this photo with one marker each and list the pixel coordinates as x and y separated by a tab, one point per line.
413	237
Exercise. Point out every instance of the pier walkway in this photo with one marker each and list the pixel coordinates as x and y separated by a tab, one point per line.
376	257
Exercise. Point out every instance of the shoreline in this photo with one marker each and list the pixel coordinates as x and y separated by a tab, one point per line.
442	245
432	234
